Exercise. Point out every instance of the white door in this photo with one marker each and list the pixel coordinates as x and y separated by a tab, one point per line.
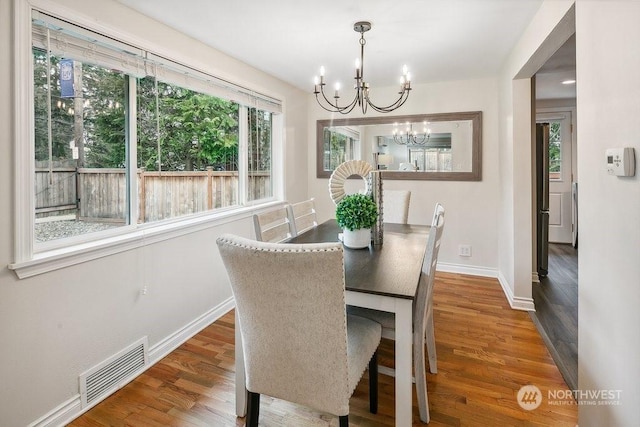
560	175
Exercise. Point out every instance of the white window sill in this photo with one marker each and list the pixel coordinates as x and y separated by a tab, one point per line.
59	258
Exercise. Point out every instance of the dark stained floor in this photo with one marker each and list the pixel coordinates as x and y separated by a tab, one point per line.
556	316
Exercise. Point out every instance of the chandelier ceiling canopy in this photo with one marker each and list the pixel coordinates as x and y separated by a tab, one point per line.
361	87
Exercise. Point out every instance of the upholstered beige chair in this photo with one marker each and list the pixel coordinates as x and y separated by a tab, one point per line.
395	206
299	344
274	225
303	215
422	315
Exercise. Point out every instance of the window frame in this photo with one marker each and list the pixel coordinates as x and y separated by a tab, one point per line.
30	258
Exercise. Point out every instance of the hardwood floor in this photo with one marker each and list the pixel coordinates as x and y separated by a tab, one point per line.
486	353
556	301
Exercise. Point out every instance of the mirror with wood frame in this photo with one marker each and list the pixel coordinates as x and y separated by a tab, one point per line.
442	146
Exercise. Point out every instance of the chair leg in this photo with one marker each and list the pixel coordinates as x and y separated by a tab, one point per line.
344	421
431	345
420	376
373	383
253	409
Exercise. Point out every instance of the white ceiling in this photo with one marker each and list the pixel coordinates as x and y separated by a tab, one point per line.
438	40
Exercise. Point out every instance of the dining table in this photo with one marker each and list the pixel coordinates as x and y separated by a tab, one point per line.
382	277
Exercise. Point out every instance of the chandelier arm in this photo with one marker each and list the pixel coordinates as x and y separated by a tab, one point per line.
404	95
398	140
334	108
327	99
421	141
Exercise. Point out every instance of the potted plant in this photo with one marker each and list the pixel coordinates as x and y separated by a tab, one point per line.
356	214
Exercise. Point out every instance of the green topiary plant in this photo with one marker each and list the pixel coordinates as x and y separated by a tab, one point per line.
356	211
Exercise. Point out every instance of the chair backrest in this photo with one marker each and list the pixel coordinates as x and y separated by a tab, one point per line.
303	216
424	296
395	206
291	309
274	225
437	211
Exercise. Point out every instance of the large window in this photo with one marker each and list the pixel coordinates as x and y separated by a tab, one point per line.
123	137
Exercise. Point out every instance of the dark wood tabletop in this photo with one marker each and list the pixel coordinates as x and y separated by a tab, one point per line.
391	269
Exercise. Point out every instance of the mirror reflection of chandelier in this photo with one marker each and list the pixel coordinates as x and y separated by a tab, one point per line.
361	97
409	136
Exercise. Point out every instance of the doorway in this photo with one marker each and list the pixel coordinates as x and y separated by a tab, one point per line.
555	293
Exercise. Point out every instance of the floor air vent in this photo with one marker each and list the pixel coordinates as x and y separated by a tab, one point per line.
113	373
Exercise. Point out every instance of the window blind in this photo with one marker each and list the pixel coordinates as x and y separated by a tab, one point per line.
70	41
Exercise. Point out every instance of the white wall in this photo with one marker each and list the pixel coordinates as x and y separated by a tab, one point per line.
608	95
472	207
54	326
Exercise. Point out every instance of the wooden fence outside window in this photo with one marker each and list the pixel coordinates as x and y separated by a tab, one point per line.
101	194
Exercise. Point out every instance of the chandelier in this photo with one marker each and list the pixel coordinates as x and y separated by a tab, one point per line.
361	87
411	137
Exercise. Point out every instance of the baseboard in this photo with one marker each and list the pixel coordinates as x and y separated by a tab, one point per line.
173	341
62	414
471	270
72	408
517	303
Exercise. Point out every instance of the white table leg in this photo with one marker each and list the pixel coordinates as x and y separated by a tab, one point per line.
241	390
403	352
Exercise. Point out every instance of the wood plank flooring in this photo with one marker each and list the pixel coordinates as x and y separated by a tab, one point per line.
556	301
486	352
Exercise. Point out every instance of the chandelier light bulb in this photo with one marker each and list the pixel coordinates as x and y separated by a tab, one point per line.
405	70
322	71
316	80
408	77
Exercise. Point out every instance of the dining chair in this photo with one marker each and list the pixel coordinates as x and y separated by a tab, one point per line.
303	215
395	206
423	327
274	225
299	343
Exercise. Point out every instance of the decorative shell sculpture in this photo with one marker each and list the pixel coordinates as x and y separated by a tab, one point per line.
344	171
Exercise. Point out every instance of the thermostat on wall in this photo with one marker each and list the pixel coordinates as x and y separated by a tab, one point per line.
621	161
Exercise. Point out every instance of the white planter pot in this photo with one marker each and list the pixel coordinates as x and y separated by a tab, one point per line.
356	239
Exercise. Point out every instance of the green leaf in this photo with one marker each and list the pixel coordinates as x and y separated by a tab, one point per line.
356	211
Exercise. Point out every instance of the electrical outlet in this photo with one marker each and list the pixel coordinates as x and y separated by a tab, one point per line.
464	250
